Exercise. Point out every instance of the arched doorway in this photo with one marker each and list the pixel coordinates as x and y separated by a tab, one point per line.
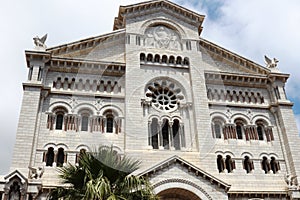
177	194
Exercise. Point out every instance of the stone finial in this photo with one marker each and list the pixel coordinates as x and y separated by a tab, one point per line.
40	42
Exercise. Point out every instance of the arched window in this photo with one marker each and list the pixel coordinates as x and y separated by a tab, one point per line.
179	60
157	58
186	61
84	123
248	164
274	165
14	192
149	57
109	123
265	165
165	134
60	157
80	154
230	164
176	134
164	59
217	128
59	121
49	156
239	131
154	133
220	163
239	128
172	60
260	132
142	57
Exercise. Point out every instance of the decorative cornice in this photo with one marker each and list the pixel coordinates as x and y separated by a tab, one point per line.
41	56
234	79
152	6
86	66
224	54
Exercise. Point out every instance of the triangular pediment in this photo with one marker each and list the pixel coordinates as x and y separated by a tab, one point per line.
188	166
149	7
93	48
14	174
228	61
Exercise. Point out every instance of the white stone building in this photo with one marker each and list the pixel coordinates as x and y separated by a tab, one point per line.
206	122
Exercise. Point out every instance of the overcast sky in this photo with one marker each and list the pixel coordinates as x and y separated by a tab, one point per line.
250	28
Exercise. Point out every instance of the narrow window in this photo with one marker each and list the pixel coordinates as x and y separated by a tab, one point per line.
156	58
217	129
260	132
265	165
229	164
109	123
50	156
165	134
84	123
60	158
248	164
176	135
164	59
220	163
239	131
172	60
149	57
154	133
274	165
59	122
179	60
142	57
186	61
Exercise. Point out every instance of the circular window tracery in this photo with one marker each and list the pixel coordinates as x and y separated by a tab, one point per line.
165	96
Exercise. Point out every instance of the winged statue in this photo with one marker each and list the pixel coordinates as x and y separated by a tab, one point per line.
40	42
271	63
36	172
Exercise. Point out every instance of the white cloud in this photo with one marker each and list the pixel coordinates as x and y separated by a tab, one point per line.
250	28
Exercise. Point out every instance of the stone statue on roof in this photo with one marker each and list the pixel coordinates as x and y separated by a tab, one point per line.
40	42
271	63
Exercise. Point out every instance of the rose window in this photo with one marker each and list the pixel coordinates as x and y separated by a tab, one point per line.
164	95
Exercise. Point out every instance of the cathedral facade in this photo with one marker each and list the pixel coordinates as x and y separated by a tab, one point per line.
205	122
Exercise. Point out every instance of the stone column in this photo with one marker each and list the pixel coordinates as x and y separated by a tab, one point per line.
171	140
149	134
160	137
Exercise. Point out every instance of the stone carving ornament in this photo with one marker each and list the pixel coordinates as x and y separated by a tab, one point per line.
164	95
162	37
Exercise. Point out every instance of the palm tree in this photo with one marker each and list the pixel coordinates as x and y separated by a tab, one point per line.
102	175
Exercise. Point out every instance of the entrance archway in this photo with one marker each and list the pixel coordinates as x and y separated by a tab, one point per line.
177	194
180	189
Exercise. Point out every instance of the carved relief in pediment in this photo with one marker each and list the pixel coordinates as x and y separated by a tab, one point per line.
162	37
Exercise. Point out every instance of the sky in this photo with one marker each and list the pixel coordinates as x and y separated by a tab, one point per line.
251	29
